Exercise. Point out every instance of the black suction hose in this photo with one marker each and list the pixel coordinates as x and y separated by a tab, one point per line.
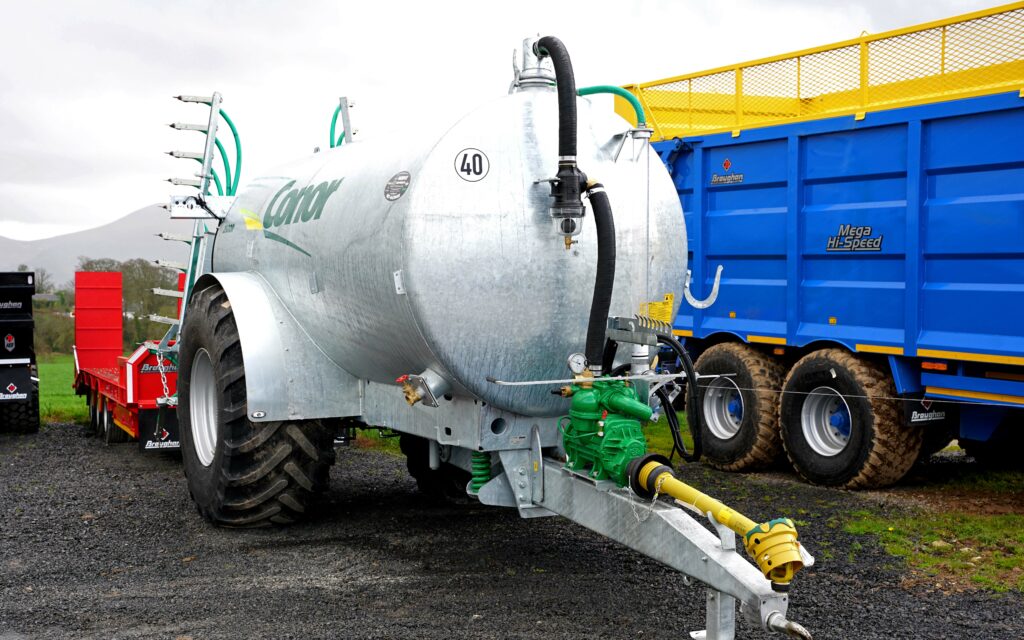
605	279
692	396
567	189
611	347
566	85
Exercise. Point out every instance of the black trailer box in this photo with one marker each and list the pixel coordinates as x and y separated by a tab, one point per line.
16	291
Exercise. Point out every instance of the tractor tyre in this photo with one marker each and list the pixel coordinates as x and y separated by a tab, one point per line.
842	424
444	485
21	417
240	473
739	412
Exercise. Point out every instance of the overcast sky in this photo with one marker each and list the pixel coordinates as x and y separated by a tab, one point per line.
85	87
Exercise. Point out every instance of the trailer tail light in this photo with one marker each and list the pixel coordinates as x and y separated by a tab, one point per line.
934	366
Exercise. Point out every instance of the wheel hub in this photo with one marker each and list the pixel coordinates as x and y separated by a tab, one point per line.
203	407
723	408
826	422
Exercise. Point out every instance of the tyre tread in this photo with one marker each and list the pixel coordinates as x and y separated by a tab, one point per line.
895	445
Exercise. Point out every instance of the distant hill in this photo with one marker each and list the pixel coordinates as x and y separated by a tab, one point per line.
133	236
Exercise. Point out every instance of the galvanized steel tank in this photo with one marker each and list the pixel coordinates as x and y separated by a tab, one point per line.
416	253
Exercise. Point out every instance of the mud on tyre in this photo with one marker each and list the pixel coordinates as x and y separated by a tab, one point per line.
740	412
842	424
240	473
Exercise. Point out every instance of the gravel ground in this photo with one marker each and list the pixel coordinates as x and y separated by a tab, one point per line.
99	542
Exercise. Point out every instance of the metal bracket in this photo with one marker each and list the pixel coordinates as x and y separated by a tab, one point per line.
706	302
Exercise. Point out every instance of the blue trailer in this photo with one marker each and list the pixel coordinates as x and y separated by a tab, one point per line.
895	241
871	305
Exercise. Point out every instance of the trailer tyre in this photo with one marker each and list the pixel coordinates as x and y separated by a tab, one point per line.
94	422
739	413
240	473
21	417
112	434
446	484
842	424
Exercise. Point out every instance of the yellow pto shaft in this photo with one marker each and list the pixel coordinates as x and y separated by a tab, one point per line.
773	545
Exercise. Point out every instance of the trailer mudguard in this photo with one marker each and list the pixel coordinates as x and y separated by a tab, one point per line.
287	376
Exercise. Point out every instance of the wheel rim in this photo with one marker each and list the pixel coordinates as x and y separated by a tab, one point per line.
203	407
825	421
104	419
723	408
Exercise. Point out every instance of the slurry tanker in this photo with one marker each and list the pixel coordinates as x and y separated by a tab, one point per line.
497	293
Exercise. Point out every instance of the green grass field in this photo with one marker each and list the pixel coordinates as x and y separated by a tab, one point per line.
57	400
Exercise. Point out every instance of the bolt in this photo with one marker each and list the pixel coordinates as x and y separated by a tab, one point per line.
522	484
522	471
522	498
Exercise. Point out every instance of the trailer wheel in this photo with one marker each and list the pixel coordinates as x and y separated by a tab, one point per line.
842	423
740	412
94	422
240	473
445	485
112	434
21	417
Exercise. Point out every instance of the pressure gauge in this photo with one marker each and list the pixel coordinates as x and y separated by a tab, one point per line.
577	363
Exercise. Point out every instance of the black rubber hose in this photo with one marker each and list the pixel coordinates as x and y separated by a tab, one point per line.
604	282
566	85
620	370
608	358
692	395
673	423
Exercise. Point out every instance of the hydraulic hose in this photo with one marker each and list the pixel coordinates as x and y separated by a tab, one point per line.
641	119
604	281
691	396
673	423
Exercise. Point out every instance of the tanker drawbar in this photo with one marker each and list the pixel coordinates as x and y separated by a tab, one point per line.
437	288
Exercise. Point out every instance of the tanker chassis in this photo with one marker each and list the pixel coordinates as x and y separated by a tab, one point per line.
436	287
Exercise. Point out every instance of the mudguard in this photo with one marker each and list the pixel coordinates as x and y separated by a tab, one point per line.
287	376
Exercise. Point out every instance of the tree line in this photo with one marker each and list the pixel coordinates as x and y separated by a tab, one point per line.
54	315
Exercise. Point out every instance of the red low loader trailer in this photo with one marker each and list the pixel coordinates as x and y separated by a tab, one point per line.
123	392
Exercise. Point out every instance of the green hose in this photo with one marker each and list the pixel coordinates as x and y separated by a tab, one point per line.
641	119
233	186
334	124
227	166
216	179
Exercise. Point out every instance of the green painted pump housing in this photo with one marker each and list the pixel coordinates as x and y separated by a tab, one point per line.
603	431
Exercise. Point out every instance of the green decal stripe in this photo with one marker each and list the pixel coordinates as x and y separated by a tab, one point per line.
270	235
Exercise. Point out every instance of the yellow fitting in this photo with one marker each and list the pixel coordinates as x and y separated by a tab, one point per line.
568	242
773	545
586	379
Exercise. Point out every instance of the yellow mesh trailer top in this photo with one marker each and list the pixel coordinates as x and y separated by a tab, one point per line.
974	54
